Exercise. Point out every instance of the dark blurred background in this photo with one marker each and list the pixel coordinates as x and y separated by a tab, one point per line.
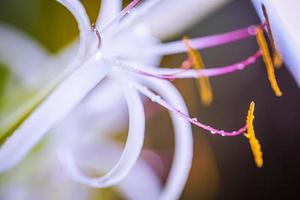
223	168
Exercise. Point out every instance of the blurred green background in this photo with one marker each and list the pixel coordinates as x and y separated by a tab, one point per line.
223	168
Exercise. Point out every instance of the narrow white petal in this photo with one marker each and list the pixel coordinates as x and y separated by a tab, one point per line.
131	151
173	16
78	11
138	12
103	154
183	154
22	54
109	9
284	21
62	100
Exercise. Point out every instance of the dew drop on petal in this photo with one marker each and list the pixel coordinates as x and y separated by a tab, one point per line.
155	98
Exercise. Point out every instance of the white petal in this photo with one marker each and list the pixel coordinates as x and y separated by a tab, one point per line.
284	20
109	9
136	13
142	180
103	154
131	151
78	11
27	181
183	154
173	16
59	103
22	54
100	104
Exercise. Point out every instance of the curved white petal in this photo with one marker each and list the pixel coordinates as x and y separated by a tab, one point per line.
142	180
100	104
183	154
285	27
22	54
78	11
131	151
103	154
109	9
55	107
173	16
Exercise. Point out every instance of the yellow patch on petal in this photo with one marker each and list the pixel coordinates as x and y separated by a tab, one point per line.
253	141
205	90
268	61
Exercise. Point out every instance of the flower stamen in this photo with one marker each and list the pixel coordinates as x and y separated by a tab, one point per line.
276	55
204	86
159	100
268	61
253	141
171	74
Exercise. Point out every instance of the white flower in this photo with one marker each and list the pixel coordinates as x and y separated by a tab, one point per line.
83	74
115	61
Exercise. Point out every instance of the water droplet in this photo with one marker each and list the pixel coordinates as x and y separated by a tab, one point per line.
252	30
213	132
195	119
251	60
155	98
222	133
241	66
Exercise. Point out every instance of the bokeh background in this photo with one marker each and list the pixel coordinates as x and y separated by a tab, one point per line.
223	168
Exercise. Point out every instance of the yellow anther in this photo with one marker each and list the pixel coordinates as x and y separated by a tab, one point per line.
268	61
253	141
205	90
277	60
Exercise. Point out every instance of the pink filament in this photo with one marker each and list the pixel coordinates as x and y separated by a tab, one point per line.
131	6
159	100
211	41
206	127
204	72
206	42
